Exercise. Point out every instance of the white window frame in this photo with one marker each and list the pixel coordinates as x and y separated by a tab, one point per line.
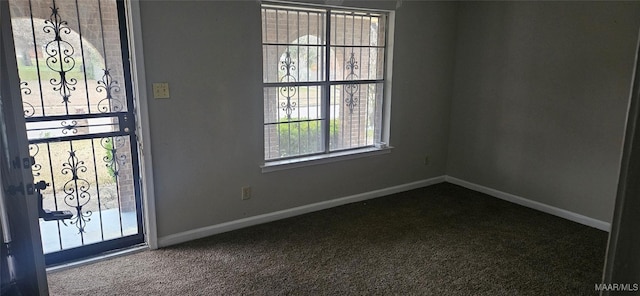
381	146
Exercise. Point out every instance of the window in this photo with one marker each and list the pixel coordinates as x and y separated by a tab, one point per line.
324	76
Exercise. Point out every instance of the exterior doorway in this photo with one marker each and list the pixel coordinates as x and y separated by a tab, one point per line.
75	80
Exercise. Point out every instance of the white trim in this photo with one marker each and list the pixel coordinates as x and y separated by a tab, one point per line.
143	131
269	217
578	218
283	214
324	4
297	162
388	80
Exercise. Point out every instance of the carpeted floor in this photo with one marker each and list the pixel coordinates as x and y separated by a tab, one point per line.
438	240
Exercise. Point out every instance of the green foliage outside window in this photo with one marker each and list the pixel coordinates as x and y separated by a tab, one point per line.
299	138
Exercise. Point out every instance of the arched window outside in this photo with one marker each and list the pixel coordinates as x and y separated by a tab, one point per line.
309	65
34	65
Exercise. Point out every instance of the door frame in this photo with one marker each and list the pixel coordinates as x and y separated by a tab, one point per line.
136	55
20	205
140	90
621	261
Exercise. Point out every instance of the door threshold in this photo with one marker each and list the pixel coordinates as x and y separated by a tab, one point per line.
101	257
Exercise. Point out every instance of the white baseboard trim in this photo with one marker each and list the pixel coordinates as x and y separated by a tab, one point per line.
269	217
591	222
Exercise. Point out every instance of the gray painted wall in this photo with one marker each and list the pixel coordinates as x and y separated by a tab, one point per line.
207	139
536	107
540	100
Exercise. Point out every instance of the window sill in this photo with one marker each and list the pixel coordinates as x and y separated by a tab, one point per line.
279	165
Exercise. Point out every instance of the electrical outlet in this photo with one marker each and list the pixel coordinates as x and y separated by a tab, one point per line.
426	160
246	193
161	90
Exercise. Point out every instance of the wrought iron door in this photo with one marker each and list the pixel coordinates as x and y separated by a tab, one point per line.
79	112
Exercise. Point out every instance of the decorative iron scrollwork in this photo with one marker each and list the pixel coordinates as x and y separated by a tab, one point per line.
113	159
109	86
72	126
352	89
74	97
34	149
29	110
288	91
76	190
60	55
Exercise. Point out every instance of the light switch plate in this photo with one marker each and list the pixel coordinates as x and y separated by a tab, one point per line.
161	90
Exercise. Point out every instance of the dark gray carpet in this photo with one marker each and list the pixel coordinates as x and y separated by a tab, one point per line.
438	240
